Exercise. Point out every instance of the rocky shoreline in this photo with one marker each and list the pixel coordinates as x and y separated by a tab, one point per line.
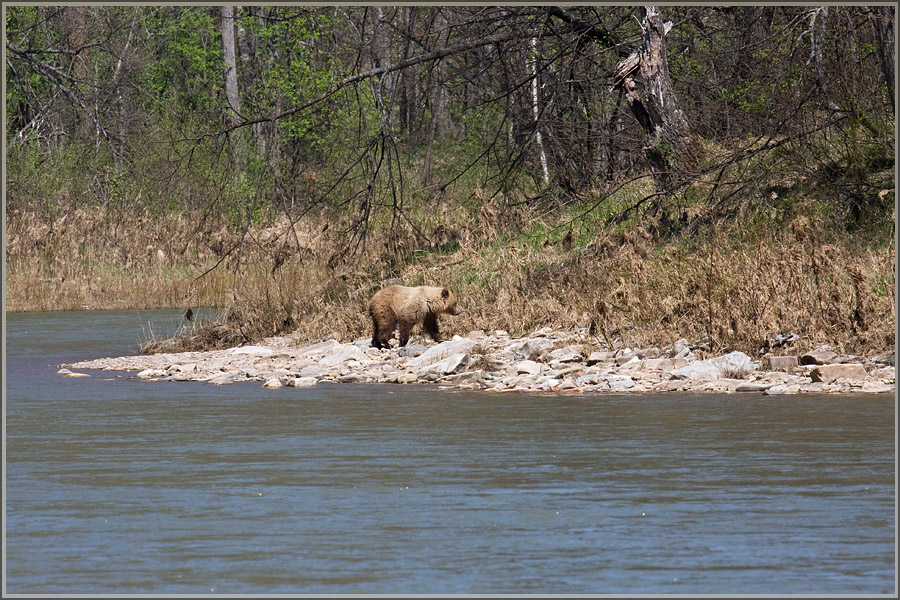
544	361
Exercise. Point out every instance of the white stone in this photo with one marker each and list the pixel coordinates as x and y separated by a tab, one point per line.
525	348
446	366
302	382
273	383
320	349
567	354
734	365
754	386
528	366
252	350
620	382
147	373
701	370
345	354
443	350
597	357
731	365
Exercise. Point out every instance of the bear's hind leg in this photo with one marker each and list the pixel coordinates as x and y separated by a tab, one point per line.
405	330
384	328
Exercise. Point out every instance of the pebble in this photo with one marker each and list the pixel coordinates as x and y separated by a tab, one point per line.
546	360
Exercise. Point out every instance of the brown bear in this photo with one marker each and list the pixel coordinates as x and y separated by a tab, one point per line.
406	307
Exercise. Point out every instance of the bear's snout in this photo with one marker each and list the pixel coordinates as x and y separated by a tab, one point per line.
455	310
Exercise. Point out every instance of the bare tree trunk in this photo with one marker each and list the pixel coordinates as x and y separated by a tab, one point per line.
439	116
407	80
76	38
381	57
884	33
653	103
229	57
537	111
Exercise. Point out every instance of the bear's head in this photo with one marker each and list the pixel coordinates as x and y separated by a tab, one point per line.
448	300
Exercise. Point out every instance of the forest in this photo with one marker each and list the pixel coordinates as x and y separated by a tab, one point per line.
724	174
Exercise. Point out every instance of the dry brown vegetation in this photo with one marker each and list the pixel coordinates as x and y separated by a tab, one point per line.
725	287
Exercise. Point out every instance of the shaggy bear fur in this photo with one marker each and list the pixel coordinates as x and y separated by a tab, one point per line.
401	307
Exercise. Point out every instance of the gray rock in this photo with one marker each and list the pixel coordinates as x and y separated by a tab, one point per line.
828	373
753	386
820	356
411	350
701	370
620	382
734	365
723	385
685	352
529	367
623	356
671	364
565	355
443	350
252	351
782	363
310	371
598	357
148	373
546	384
446	366
226	379
302	382
346	353
320	349
633	363
363	344
353	378
532	347
610	380
847	358
590	379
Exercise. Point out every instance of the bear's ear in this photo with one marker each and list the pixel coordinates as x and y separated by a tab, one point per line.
445	293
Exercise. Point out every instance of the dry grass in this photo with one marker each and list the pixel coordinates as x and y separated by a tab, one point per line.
725	287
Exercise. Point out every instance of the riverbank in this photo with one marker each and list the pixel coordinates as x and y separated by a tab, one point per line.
734	285
546	360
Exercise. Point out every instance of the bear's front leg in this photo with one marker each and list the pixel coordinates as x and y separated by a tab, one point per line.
430	325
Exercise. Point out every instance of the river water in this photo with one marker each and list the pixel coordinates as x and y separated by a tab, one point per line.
115	485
